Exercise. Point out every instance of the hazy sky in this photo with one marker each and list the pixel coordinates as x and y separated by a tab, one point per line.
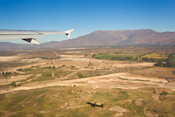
86	16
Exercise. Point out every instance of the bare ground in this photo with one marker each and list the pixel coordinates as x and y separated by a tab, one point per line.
124	80
156	98
119	111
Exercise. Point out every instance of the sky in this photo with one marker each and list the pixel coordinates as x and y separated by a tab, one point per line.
85	16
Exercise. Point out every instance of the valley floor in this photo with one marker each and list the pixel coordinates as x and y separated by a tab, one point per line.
64	86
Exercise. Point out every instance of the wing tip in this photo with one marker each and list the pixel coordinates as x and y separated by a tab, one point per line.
68	32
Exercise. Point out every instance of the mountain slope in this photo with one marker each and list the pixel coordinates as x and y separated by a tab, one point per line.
120	37
106	38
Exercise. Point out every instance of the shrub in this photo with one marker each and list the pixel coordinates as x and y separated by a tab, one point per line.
14	84
164	93
80	75
62	66
94	55
20	69
154	91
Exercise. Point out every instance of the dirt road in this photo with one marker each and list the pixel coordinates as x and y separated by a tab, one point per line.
115	80
85	82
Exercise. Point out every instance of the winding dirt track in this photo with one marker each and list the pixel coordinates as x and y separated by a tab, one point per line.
127	80
84	82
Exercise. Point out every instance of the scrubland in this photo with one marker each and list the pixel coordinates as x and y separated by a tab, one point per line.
61	82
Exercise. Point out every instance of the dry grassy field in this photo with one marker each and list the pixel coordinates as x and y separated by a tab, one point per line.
61	83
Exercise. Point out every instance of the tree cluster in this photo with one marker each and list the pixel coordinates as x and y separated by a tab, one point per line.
149	59
169	62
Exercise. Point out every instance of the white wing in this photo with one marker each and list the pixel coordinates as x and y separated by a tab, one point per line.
29	35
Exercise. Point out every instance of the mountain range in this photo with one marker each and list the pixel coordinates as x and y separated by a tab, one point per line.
104	38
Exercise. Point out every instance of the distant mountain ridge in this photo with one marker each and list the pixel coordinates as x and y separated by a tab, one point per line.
105	38
121	37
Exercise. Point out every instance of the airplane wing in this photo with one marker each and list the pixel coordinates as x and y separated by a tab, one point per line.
29	35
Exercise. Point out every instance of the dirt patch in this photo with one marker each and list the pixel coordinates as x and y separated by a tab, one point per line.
6	113
135	65
117	115
44	111
138	101
38	75
156	97
73	52
8	58
72	56
137	77
20	72
69	103
158	72
119	110
128	101
148	113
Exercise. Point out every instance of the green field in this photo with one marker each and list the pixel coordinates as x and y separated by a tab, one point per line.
156	55
118	56
153	57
